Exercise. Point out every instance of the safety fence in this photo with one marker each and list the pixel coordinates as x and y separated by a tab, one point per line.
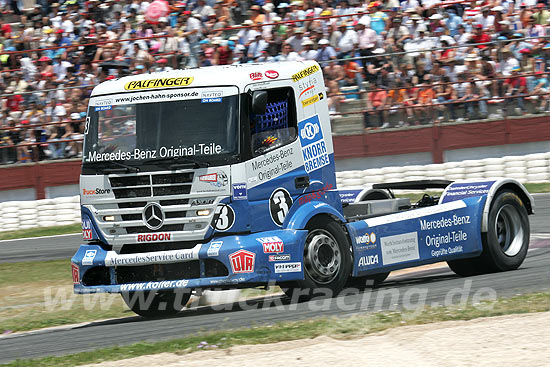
532	168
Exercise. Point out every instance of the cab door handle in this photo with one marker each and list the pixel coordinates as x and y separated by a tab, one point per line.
301	182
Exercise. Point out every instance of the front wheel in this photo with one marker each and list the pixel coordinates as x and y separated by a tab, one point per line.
153	304
506	242
327	261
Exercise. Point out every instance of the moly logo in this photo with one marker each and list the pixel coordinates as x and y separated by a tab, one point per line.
87	229
272	245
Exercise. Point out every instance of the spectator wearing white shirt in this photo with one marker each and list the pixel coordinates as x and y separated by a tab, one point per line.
297	40
485	18
256	47
288	54
308	53
348	41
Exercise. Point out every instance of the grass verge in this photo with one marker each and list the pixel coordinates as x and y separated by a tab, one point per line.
355	326
41	231
39	294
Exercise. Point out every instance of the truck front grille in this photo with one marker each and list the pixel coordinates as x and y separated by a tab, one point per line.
172	190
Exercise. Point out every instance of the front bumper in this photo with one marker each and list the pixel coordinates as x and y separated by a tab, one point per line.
272	256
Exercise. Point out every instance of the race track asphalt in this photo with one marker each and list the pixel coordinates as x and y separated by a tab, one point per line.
436	287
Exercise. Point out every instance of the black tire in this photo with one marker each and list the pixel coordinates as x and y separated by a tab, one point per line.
369	281
155	304
506	242
327	261
466	267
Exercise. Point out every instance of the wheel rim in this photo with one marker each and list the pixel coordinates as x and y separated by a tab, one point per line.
508	230
322	256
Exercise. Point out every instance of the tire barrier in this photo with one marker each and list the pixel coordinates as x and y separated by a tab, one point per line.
16	215
532	168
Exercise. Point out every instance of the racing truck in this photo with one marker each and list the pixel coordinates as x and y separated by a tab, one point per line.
224	177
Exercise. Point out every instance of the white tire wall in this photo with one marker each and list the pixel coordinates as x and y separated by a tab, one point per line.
527	168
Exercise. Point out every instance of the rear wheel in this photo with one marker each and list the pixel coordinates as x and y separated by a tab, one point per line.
506	242
152	304
327	261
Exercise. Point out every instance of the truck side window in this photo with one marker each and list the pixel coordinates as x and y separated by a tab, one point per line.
277	126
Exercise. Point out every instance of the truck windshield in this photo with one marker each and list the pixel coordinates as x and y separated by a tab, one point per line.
157	126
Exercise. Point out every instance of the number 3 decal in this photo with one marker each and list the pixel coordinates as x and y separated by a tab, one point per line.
224	217
279	205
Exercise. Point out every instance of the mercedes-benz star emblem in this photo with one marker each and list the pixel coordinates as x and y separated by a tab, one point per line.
153	216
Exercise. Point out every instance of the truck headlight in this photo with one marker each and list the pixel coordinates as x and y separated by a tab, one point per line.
108	218
203	213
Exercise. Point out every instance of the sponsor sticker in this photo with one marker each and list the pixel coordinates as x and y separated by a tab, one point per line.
314	195
399	248
145	286
239	191
281	257
159	257
462	190
368	260
307	87
96	192
288	268
218	179
242	261
316	98
314	148
214	248
211	100
256	76
279	205
89	257
76	273
271	245
87	229
306	72
206	201
102	108
159	83
154	237
272	74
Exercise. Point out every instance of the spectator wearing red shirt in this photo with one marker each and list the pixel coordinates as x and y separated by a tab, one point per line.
516	85
480	36
13	101
5	29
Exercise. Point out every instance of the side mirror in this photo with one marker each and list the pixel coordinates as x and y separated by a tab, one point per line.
259	102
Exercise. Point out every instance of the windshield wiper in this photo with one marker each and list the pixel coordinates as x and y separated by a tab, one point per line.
178	162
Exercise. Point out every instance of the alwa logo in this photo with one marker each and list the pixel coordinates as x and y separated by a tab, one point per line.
309	131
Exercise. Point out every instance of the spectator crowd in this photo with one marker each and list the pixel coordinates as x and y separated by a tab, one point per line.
420	61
